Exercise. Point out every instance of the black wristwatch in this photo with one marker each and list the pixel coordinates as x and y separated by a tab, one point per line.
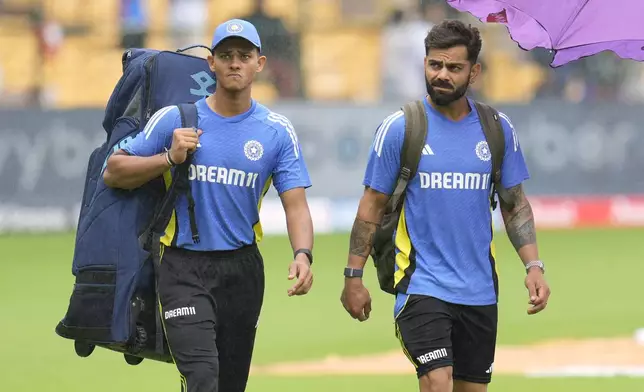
353	272
306	252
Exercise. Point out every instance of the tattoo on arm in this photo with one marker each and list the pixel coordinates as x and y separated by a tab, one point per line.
362	237
519	221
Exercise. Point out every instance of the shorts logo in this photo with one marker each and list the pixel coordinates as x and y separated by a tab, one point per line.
185	311
234	28
432	356
490	370
483	151
253	150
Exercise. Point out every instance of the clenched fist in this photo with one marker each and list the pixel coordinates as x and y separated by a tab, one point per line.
184	141
356	299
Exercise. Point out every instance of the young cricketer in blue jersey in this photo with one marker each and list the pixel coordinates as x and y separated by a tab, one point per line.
445	274
231	171
211	292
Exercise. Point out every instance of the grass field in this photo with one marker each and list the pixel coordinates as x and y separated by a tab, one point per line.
594	276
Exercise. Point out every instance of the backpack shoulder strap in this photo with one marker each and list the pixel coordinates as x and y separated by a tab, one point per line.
415	135
495	137
189	117
179	184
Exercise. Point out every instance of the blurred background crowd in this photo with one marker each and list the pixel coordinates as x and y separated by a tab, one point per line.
66	53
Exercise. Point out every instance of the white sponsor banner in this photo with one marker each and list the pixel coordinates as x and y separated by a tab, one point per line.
273	218
331	216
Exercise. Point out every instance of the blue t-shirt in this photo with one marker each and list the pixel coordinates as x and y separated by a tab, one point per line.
233	167
444	237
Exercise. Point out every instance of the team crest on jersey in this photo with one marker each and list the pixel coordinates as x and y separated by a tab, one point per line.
483	151
253	150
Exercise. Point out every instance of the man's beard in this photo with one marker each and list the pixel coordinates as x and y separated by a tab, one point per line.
445	98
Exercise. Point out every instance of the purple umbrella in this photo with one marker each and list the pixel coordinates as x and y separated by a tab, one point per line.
572	28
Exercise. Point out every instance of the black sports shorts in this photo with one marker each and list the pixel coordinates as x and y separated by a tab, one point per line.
210	305
435	334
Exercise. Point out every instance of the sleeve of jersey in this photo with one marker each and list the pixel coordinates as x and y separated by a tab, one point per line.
383	163
156	135
290	170
514	169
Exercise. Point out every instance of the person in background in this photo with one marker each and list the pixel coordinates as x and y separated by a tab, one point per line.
282	48
134	24
188	22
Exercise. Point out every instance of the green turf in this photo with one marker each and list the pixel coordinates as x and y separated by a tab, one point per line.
593	274
406	384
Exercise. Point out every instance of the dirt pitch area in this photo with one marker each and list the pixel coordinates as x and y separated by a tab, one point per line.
607	357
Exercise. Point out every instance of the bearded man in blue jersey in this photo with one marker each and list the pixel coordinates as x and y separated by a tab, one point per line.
211	292
446	281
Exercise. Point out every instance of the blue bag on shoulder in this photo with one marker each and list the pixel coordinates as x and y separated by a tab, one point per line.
113	303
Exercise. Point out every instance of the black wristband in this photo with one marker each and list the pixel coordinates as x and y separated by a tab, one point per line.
353	272
306	252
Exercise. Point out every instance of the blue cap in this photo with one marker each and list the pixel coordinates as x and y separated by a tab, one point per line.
236	28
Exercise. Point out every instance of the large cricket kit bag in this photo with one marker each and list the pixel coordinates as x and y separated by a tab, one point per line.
113	303
383	251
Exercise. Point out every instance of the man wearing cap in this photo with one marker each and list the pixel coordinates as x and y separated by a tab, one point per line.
211	292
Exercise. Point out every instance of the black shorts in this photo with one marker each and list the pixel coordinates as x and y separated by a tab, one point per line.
210	305
435	334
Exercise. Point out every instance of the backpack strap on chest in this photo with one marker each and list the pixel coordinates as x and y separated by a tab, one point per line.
180	185
495	137
415	136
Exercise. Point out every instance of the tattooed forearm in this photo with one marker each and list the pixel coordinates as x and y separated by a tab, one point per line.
362	237
519	221
520	227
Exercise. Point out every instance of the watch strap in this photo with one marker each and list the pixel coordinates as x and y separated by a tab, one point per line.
535	263
307	252
353	272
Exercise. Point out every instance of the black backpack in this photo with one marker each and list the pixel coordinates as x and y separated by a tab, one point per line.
383	249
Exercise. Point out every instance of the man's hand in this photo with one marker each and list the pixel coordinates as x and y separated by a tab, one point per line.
300	268
184	141
356	299
538	290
